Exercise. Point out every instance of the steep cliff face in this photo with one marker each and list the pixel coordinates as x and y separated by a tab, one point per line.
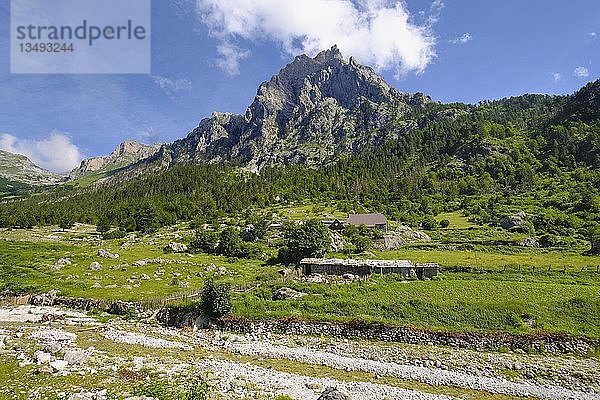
127	153
313	109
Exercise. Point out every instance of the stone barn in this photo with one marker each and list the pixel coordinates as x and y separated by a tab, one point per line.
364	268
373	221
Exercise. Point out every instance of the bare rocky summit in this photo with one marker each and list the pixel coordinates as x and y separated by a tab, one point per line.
313	109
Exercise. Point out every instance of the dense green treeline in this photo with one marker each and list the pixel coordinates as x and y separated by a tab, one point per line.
537	154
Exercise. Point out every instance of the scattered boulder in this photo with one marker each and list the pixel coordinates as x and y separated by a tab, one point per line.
530	242
392	242
60	264
76	357
174	247
96	286
408	234
513	221
287	294
211	267
144	277
334	394
99	395
59	365
95	266
349	277
106	254
42	357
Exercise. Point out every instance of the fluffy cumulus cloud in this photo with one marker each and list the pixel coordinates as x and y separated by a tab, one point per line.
581	72
464	38
381	33
55	153
556	76
170	85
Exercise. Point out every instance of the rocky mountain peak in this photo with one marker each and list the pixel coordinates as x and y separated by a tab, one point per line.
312	109
329	55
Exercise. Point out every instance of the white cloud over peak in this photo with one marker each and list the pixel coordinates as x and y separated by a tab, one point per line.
55	153
170	85
581	72
464	38
381	33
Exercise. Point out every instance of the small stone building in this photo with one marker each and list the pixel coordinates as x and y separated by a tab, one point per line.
373	221
363	268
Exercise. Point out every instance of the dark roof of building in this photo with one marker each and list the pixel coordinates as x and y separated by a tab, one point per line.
367	219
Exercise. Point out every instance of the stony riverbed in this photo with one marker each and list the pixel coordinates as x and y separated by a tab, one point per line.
48	352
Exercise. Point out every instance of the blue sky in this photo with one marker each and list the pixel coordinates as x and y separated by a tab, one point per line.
210	55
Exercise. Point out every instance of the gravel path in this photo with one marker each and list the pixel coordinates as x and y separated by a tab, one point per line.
430	376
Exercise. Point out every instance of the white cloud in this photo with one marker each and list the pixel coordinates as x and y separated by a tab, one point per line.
55	153
581	72
593	35
230	57
148	136
464	38
556	76
172	85
381	33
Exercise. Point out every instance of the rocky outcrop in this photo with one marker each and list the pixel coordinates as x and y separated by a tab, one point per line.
334	394
287	294
127	153
513	221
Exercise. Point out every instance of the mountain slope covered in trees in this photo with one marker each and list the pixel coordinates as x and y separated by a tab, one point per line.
532	153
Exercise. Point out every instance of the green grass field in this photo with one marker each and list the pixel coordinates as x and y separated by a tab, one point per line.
519	290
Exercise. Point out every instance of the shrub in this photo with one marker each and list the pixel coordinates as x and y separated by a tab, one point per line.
444	223
205	241
230	243
216	299
310	239
429	223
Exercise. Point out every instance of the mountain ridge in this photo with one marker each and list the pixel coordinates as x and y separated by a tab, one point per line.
19	168
125	154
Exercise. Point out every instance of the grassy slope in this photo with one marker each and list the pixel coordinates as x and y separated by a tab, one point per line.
498	300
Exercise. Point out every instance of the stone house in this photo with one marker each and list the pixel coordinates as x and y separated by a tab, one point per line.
372	221
364	268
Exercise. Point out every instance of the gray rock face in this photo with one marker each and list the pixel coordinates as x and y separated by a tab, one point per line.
513	221
334	394
95	266
126	153
314	108
286	294
176	248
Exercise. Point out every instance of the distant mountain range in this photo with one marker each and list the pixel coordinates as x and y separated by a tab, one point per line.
313	111
18	172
